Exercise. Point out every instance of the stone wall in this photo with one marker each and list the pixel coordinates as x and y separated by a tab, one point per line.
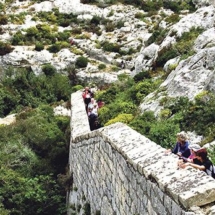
117	171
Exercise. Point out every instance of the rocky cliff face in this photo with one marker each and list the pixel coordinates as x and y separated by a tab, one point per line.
131	32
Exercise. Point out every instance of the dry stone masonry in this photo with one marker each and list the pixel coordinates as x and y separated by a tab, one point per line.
117	171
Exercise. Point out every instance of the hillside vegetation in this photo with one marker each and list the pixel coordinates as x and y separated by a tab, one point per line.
39	69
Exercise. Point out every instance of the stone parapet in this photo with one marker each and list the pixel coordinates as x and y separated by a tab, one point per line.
118	171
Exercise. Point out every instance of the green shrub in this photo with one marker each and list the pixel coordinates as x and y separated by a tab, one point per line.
151	5
81	62
109	27
157	36
173	18
1	30
120	24
101	66
48	70
2	6
179	5
139	15
54	48
110	47
124	118
163	133
199	115
166	54
39	46
185	43
5	48
87	209
141	76
76	30
18	38
3	20
138	91
143	123
63	44
165	114
183	47
77	87
95	20
32	31
63	36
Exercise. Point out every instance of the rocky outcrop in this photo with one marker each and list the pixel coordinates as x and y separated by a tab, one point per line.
188	78
192	75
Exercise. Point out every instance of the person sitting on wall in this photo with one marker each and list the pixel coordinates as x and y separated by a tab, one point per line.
202	162
181	148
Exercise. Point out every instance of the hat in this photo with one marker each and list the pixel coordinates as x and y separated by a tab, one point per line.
182	136
195	147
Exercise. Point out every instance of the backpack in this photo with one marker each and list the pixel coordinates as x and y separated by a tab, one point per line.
211	171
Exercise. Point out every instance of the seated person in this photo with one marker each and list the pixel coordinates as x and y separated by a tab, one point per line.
201	162
181	148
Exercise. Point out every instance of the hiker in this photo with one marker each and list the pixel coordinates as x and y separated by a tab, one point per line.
92	103
100	103
92	119
181	148
71	41
193	149
201	162
87	97
122	64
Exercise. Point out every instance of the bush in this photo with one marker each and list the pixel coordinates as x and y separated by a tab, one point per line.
5	48
139	15
81	62
2	6
49	70
141	76
124	118
76	30
120	24
179	5
151	5
39	46
110	47
143	123
166	54
95	20
54	48
199	115
157	36
173	18
163	133
63	36
33	31
3	20
101	66
18	38
109	27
